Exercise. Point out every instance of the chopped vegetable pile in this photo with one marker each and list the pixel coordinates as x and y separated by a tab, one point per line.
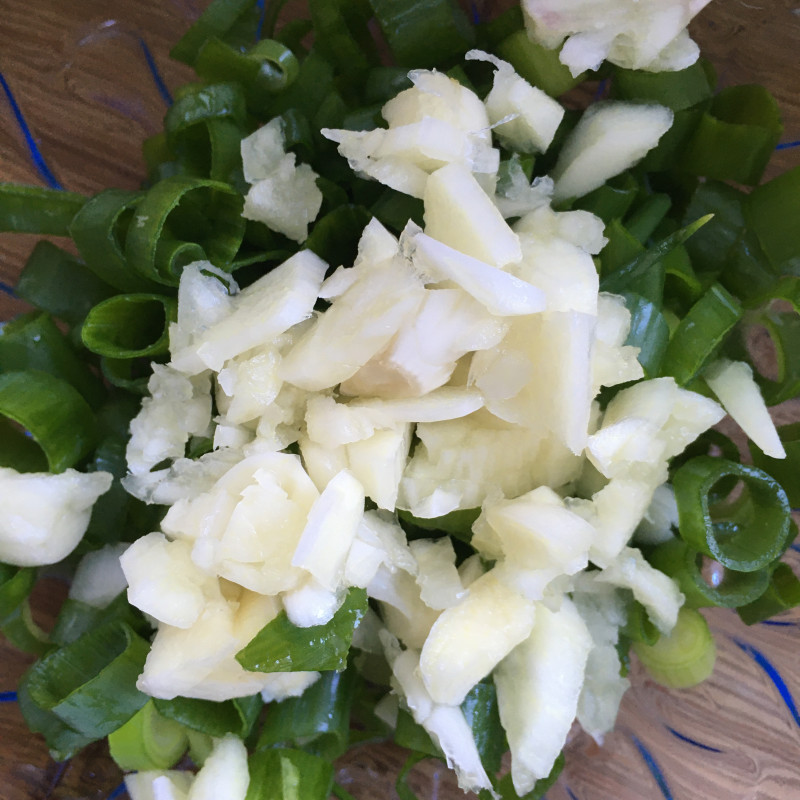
386	407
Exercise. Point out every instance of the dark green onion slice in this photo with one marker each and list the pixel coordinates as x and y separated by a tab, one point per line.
746	533
16	623
76	618
56	282
613	199
735	139
130	326
785	470
483	717
181	220
282	647
505	785
318	720
99	231
782	594
649	332
62	740
628	277
677	90
132	375
539	66
334	237
33	209
90	684
646	217
286	774
217	20
265	69
215	719
342	36
705	582
700	334
684	657
772	211
412	736
424	33
147	741
57	417
33	341
783	328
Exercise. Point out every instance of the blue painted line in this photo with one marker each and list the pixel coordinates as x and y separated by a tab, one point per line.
261	5
30	142
601	88
156	75
120	791
8	697
773	675
571	794
655	770
684	738
787	145
475	13
779	623
7	289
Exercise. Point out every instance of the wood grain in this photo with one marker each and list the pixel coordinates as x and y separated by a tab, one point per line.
79	77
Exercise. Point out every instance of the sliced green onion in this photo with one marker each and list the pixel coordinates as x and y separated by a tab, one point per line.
33	209
412	736
56	282
318	720
483	717
266	68
638	626
181	220
147	741
782	594
284	774
130	325
218	19
705	582
785	470
62	740
282	647
783	328
772	211
76	618
99	229
334	238
643	220
342	36
677	90
684	657
539	66
90	684
33	341
57	417
735	139
423	33
612	200
23	633
746	534
627	277
126	373
621	248
648	331
456	523
505	785
700	333
213	718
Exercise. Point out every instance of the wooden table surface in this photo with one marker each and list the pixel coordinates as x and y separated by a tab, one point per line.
63	61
